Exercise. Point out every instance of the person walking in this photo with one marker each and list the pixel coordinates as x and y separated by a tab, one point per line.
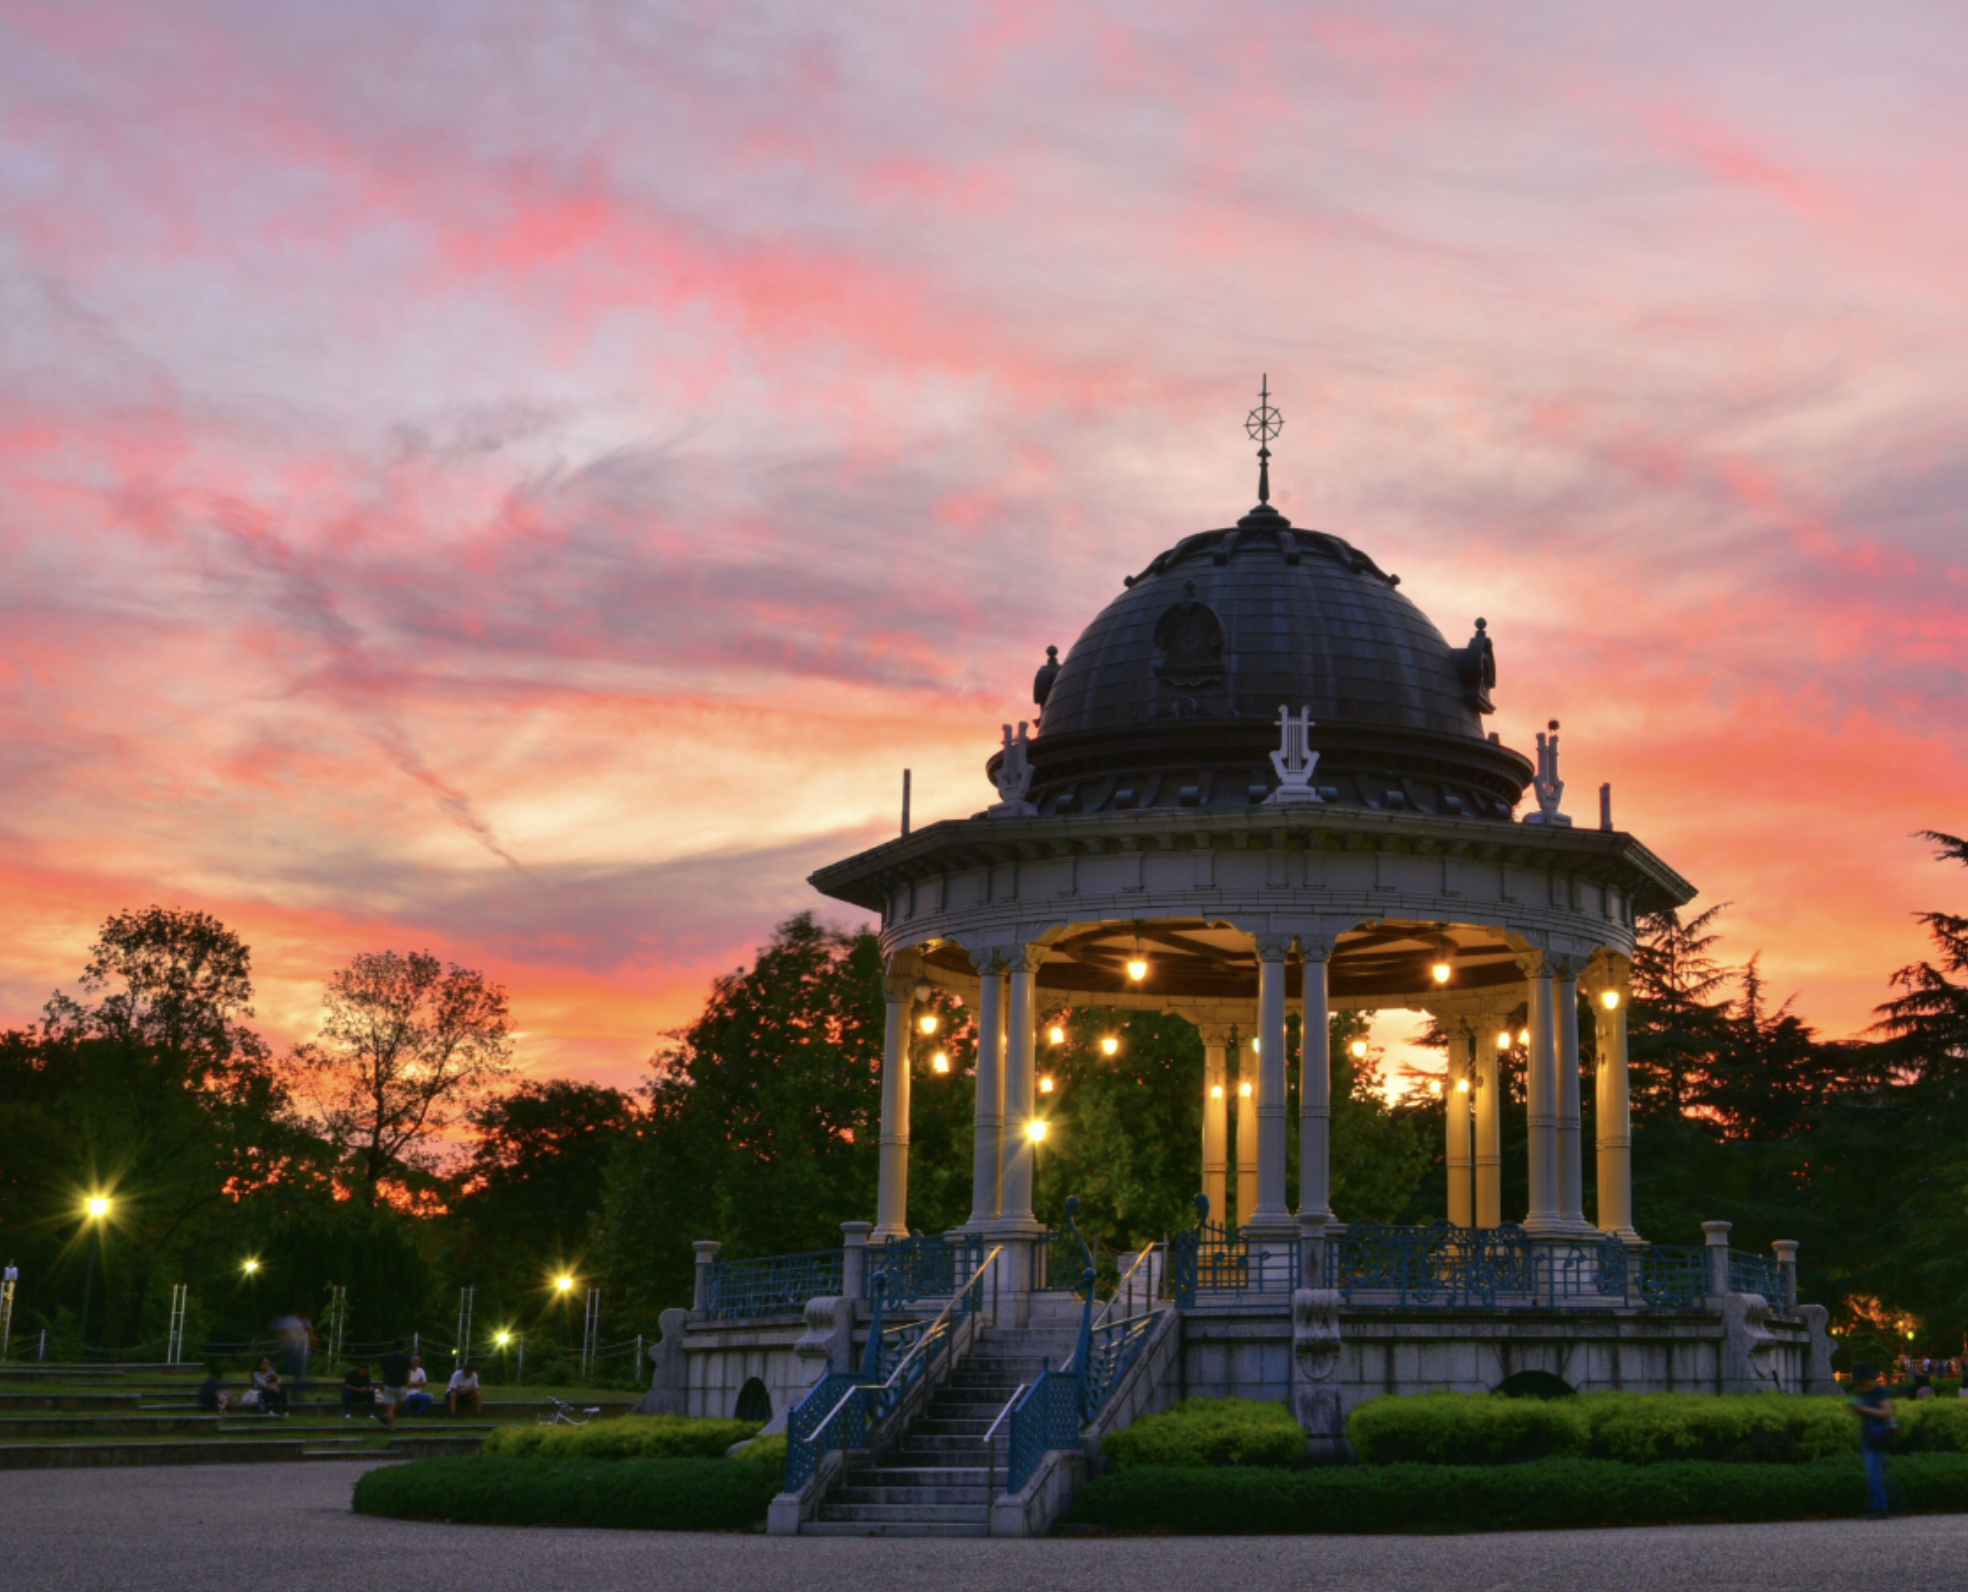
1873	1404
396	1382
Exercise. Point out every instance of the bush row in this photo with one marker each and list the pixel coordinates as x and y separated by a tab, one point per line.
1546	1494
623	1437
1209	1432
1634	1428
641	1494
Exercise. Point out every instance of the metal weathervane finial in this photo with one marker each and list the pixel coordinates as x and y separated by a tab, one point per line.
1263	423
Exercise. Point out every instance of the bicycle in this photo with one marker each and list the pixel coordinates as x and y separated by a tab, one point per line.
563	1414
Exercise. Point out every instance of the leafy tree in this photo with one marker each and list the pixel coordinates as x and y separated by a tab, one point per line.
406	1046
153	1092
533	1186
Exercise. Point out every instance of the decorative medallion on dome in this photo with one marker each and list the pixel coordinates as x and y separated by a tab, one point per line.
1190	638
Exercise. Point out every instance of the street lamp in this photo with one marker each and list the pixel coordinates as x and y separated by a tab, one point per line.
95	1211
563	1284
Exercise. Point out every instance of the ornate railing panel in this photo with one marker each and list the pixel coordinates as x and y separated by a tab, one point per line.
1111	1350
1758	1274
1463	1268
1214	1261
774	1285
1673	1277
1048	1417
834	1414
924	1267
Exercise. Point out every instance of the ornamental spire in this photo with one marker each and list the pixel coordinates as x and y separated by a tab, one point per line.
1263	423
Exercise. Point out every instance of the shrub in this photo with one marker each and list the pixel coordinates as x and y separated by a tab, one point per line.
1932	1425
650	1495
1635	1428
1210	1432
1465	1429
1646	1428
1544	1494
622	1437
765	1451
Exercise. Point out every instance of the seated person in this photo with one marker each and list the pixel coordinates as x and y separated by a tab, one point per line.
418	1387
463	1391
266	1382
210	1395
358	1393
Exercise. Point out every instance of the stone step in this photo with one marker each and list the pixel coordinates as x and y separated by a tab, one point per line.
907	1514
911	1497
878	1528
913	1475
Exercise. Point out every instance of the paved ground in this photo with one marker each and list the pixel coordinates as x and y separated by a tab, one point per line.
287	1528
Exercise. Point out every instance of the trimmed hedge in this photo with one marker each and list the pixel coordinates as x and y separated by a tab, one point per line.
1209	1432
622	1437
645	1494
1635	1428
1544	1494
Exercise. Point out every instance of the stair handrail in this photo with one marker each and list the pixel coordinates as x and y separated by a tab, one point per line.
1120	1287
931	1334
991	1445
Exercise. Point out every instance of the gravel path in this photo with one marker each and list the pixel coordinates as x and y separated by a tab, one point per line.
287	1528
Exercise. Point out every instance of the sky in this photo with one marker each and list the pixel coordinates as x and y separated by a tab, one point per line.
522	480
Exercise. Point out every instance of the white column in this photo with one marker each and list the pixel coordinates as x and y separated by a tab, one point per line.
1571	1169
1021	1095
1615	1121
892	1194
1315	1089
987	1159
1488	1087
1542	1219
1460	1086
1271	1214
1216	1121
1247	1085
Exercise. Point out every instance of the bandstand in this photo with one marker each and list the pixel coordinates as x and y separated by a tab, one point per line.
1259	781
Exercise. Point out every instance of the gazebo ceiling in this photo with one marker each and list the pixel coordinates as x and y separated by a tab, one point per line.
1196	959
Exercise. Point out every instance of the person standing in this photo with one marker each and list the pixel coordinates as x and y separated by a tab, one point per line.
396	1382
1873	1405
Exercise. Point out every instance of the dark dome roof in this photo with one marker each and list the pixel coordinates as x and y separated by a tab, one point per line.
1171	696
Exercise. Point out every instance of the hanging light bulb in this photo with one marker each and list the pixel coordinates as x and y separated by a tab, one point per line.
1110	1046
1503	1040
1462	1086
940	1062
1035	1130
1523	1036
927	1022
1137	967
1441	970
1435	1087
1244	1091
1359	1050
1057	1034
1610	1000
1045	1083
1216	1091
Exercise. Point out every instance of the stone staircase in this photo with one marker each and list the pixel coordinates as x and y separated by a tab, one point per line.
938	1480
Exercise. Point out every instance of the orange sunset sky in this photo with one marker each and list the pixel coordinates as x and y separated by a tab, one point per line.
523	480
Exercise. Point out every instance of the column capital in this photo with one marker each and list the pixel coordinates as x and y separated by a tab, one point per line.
1533	964
1272	947
1215	1035
1315	948
1028	958
1567	968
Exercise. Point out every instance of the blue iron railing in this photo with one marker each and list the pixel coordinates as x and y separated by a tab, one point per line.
775	1285
1757	1274
924	1267
1462	1268
1219	1261
1673	1276
1111	1350
844	1411
1048	1417
834	1414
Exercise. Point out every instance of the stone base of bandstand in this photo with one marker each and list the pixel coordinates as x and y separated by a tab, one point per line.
1253	1349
